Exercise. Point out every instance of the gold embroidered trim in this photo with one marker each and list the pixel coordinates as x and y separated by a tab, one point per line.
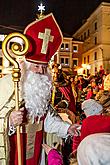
31	132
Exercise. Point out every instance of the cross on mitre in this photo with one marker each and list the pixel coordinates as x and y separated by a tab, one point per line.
46	39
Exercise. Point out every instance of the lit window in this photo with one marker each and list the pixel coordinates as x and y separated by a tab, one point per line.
62	47
66	61
62	60
75	62
75	48
66	46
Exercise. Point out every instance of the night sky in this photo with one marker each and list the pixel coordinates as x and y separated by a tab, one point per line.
69	13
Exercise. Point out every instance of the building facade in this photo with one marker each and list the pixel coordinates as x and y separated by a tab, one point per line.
69	55
95	34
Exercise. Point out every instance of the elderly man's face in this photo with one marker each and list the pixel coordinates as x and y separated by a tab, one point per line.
38	68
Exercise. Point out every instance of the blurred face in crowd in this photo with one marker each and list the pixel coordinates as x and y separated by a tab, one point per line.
93	84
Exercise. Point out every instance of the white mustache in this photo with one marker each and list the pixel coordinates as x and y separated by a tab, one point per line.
36	91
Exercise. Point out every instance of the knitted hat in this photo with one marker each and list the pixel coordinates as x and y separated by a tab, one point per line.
91	107
107	82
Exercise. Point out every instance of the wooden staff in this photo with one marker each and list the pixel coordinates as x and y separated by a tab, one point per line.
18	50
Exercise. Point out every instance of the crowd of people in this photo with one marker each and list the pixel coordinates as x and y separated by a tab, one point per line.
43	97
91	115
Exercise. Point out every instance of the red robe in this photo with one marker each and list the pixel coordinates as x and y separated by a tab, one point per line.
91	125
67	91
37	149
95	124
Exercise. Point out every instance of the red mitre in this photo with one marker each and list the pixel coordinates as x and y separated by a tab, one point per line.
45	38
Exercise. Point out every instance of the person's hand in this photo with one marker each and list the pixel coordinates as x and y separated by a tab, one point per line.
47	148
73	129
73	154
16	117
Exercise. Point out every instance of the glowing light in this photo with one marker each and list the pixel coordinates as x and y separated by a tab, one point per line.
84	65
88	67
80	71
41	8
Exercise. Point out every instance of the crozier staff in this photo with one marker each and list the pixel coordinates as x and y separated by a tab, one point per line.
36	114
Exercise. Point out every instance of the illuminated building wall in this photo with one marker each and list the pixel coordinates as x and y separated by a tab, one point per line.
95	33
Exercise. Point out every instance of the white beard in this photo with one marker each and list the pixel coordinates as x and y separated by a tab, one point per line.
36	92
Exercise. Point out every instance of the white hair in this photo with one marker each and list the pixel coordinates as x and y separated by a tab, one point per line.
36	91
91	107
